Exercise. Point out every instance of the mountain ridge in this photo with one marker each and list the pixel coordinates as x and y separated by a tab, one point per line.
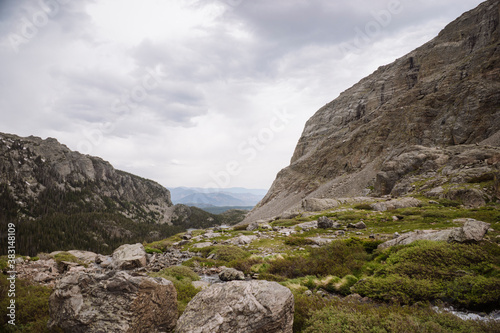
444	93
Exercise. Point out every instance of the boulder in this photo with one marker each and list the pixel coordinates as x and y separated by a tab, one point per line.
396	204
113	302
241	240
129	256
202	245
231	274
470	197
325	223
471	231
239	307
84	256
306	226
317	205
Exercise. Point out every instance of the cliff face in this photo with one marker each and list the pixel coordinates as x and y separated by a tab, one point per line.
60	199
444	93
33	169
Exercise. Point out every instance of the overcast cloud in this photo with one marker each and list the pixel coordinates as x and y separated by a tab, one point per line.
195	92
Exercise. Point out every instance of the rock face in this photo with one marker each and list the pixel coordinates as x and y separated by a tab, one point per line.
113	302
129	256
239	307
443	94
472	231
396	204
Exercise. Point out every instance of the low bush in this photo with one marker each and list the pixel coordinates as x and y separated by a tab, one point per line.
151	250
353	317
32	306
339	258
298	241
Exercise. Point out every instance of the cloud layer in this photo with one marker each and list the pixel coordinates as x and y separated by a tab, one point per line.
195	92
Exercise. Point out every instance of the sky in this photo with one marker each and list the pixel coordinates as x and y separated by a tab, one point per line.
198	93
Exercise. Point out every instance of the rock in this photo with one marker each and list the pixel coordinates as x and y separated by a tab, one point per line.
129	256
306	226
84	256
200	284
231	274
359	225
202	245
241	240
396	204
436	192
187	236
325	223
255	306
210	235
320	240
317	205
470	197
113	302
472	231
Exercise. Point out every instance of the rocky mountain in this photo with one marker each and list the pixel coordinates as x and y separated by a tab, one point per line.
430	119
46	186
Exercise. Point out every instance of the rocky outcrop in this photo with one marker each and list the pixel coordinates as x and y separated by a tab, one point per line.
443	94
239	307
33	167
113	302
471	231
129	256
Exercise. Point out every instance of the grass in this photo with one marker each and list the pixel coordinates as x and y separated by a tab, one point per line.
182	278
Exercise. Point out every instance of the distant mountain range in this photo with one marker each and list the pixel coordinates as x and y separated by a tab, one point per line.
213	197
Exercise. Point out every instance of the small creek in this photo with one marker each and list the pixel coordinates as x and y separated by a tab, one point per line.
495	315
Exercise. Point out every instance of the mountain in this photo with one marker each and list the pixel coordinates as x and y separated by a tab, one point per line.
60	199
207	197
434	111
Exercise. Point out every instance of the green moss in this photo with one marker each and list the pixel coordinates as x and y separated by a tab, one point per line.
68	257
151	250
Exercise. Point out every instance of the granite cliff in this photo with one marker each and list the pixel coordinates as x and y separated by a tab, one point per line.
401	121
45	185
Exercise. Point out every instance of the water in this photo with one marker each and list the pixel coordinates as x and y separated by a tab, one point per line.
495	315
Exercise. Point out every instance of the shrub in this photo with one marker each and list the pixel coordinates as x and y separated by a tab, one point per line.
298	241
339	258
229	253
399	289
32	306
363	206
352	317
305	307
475	292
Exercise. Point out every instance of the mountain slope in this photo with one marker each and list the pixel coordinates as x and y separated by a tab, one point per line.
63	199
444	93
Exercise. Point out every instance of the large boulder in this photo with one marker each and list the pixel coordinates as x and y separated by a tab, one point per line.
396	204
129	256
325	223
471	231
113	302
239	307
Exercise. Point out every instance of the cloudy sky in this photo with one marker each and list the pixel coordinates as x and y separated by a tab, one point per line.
195	92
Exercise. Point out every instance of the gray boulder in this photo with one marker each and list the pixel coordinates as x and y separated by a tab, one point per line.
316	204
231	274
325	223
113	302
471	231
129	256
239	307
